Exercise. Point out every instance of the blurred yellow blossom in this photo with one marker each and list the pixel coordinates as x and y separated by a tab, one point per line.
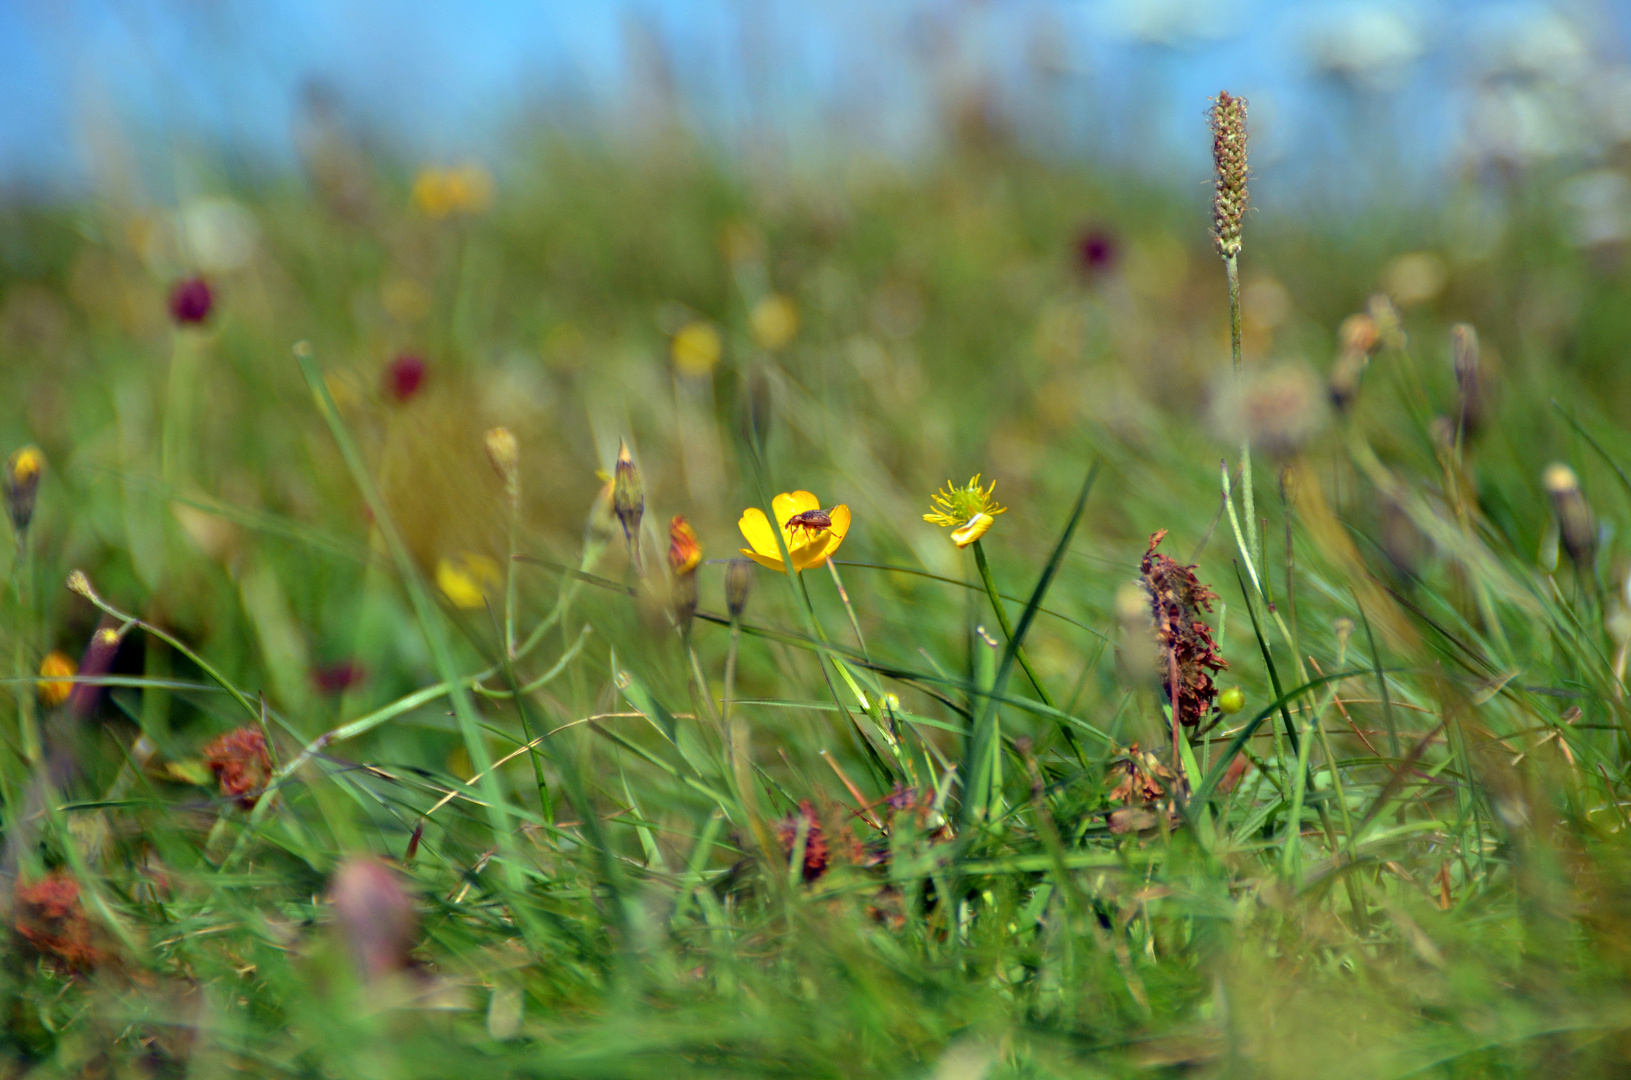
465	581
696	348
463	189
775	320
56	672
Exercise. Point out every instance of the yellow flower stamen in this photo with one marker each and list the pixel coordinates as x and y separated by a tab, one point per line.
968	510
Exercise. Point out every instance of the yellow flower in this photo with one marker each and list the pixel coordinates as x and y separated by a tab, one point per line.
464	189
808	547
774	321
56	670
465	582
968	511
696	348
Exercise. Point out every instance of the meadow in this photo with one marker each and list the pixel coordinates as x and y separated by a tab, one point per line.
390	694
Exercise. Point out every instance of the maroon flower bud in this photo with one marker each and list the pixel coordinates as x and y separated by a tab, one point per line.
337	678
190	301
404	376
1095	250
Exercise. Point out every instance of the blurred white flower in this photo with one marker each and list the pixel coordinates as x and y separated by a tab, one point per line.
1535	43
1172	22
1369	45
218	234
1599	204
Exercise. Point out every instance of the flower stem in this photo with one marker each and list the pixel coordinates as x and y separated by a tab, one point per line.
1019	651
1231	264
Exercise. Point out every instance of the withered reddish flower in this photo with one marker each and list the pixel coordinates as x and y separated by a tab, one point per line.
1177	599
240	764
337	678
404	376
191	301
50	920
822	847
816	853
1141	775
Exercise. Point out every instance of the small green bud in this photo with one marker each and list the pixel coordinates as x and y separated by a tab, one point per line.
1231	701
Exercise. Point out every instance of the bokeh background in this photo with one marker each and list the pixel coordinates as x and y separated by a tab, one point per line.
1390	99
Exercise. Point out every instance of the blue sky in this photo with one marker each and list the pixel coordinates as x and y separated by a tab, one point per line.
1120	79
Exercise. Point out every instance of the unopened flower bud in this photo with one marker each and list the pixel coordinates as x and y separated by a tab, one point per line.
1343	385
628	494
505	454
738	580
684	554
1576	524
1469	377
79	583
374	916
1358	333
22	482
1389	327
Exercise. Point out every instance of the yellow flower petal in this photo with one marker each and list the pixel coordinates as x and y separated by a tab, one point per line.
466	581
756	531
971	530
763	560
840	522
788	505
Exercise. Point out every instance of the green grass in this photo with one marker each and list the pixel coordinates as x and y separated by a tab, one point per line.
1424	873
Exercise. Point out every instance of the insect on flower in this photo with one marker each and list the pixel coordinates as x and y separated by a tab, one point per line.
813	522
809	534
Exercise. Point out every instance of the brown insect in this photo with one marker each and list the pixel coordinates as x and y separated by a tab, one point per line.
811	521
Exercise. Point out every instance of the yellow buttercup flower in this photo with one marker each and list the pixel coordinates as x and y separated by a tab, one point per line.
463	189
696	348
811	533
967	511
465	581
774	321
56	672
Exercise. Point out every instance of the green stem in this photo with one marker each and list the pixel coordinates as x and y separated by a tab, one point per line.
1231	265
1019	651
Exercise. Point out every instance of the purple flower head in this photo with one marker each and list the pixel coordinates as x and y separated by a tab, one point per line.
1096	250
190	301
404	376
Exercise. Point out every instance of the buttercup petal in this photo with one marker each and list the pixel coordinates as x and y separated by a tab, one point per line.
971	530
840	522
788	504
756	531
764	560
